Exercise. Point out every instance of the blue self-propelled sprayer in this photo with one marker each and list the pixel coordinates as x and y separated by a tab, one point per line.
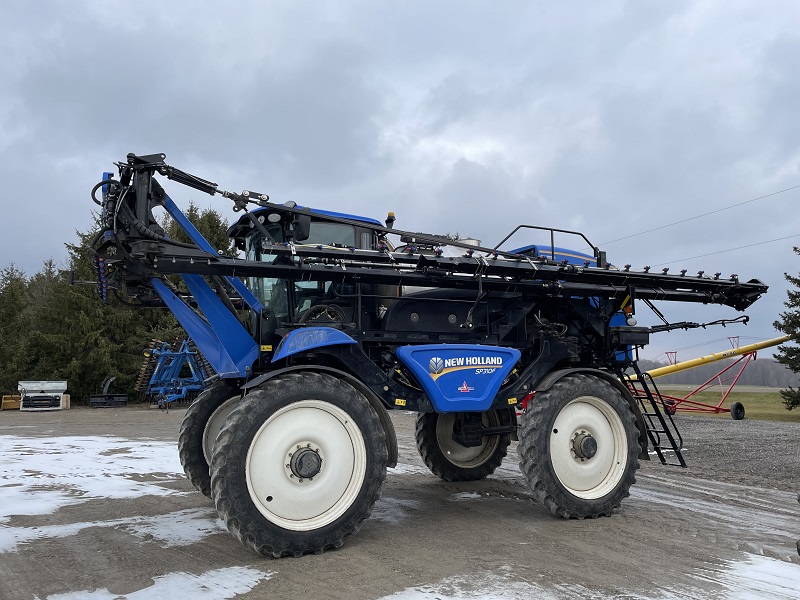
326	321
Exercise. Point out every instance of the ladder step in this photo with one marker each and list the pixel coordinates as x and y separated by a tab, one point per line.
662	431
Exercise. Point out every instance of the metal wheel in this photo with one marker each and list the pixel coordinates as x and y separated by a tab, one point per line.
579	447
214	425
305	465
451	461
588	447
298	465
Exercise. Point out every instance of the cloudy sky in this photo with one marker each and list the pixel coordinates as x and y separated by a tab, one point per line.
611	117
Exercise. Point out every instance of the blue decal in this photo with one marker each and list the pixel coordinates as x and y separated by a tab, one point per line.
330	213
308	339
573	257
459	377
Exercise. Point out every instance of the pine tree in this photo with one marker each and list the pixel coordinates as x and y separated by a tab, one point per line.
209	223
790	325
13	286
52	330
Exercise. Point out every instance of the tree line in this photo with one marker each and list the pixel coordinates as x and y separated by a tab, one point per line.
51	330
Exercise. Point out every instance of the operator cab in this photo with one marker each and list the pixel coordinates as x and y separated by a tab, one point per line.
301	302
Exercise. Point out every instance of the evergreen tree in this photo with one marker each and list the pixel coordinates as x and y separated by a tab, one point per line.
53	330
208	222
790	325
13	289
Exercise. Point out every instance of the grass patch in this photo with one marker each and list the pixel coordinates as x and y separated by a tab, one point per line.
758	405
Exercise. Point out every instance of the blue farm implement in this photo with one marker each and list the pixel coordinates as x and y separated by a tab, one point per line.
172	375
327	321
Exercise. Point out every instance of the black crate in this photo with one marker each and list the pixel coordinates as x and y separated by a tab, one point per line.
630	336
108	400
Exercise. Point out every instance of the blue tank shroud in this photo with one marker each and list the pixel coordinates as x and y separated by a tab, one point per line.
459	377
308	339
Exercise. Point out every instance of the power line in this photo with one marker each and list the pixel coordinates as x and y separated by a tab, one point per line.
627	237
728	250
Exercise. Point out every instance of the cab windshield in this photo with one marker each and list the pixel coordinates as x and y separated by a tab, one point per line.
272	292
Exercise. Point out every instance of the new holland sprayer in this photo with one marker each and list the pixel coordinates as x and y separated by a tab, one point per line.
328	321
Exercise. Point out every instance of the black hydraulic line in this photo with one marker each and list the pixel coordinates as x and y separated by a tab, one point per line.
149	233
124	301
743	319
98	186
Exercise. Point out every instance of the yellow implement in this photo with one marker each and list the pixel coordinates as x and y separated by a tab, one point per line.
741	351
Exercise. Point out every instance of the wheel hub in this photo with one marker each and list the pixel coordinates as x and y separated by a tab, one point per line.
305	463
584	445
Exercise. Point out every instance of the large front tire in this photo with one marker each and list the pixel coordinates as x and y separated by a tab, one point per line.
579	447
451	461
199	428
298	465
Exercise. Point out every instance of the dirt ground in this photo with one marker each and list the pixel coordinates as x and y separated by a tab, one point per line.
93	504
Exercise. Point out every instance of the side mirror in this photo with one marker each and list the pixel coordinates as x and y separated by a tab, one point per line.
302	227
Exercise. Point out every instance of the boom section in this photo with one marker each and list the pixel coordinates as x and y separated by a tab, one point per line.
134	242
500	274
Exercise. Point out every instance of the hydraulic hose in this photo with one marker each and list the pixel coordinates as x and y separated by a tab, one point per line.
98	186
145	231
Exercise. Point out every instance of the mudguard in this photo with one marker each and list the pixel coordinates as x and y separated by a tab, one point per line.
309	338
459	377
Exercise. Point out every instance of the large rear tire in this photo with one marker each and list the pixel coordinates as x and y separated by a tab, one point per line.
298	465
199	428
579	447
451	461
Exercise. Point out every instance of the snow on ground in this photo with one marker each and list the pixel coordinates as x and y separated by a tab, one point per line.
179	528
40	475
404	469
465	496
478	586
219	584
754	578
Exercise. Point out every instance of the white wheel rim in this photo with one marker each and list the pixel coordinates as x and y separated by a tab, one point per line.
594	477
310	503
465	458
214	424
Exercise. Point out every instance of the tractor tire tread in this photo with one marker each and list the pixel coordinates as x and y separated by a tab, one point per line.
229	488
190	438
535	463
437	462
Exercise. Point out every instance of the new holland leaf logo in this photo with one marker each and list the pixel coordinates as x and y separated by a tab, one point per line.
465	388
436	365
